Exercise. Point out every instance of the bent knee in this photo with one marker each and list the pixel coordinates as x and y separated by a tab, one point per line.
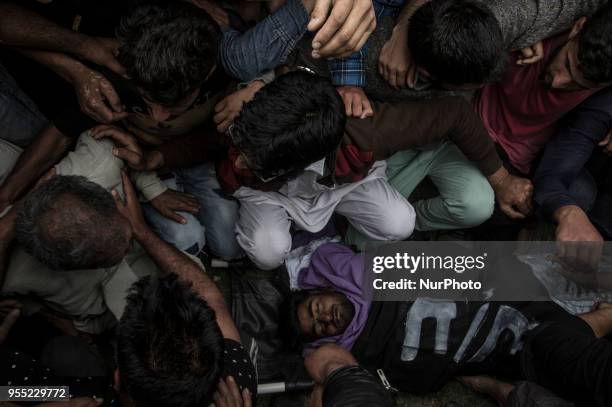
267	248
474	205
399	222
188	237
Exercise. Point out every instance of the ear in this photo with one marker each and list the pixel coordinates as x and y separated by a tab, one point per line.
117	380
578	26
241	163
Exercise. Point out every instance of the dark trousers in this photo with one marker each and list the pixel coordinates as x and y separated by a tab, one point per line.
571	362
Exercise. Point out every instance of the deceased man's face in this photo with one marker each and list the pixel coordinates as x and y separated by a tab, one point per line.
324	314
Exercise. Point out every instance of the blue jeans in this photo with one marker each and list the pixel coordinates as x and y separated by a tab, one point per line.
597	205
214	224
262	48
20	119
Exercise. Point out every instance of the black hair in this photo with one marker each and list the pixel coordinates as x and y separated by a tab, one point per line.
169	345
168	49
291	123
289	323
457	41
71	223
595	46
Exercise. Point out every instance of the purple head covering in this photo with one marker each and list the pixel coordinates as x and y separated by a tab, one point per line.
336	267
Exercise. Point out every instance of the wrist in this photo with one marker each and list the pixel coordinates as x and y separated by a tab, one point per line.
499	178
142	233
154	160
75	72
85	46
564	213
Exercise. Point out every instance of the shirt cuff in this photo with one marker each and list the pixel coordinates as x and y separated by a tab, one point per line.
149	184
552	204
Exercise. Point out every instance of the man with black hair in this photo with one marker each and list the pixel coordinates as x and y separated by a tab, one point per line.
462	44
173	330
177	344
293	160
420	345
73	254
522	110
168	50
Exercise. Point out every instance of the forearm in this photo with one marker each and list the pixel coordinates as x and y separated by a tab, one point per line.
45	151
403	20
566	211
20	27
62	64
7	235
170	260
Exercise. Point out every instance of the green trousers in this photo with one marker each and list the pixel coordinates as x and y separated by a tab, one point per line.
466	199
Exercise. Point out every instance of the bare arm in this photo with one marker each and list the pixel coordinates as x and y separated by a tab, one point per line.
45	151
20	27
7	235
97	96
171	260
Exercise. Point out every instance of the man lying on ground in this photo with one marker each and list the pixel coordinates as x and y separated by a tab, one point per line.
420	345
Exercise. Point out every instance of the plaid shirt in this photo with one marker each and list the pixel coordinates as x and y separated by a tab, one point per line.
350	71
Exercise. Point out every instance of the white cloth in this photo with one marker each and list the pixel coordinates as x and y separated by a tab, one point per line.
371	205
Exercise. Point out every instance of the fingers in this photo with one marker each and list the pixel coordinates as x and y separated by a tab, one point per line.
234	390
115	103
224	125
248	399
606	143
118	202
221	105
411	76
347	17
119	137
401	76
221	116
317	17
361	42
531	54
228	394
346	43
170	214
133	159
357	106
367	109
97	109
224	396
348	104
511	212
128	148
128	188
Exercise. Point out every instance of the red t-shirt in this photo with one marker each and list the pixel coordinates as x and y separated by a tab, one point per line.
520	113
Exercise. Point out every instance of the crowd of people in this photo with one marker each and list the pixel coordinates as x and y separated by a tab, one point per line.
141	139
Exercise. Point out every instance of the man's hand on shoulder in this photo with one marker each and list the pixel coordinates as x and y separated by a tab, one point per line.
128	149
